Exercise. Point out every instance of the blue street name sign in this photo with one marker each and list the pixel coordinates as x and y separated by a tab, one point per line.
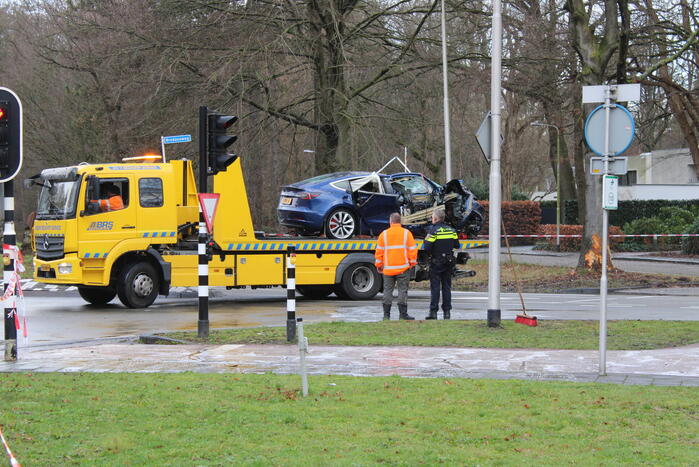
177	139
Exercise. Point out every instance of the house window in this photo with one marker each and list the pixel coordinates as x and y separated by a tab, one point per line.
628	179
693	178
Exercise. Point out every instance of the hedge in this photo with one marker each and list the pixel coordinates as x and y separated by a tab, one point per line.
628	210
520	218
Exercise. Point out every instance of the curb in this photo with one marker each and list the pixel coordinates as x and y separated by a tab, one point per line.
152	339
657	260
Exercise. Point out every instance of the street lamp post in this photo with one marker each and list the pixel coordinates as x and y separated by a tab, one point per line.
447	137
558	180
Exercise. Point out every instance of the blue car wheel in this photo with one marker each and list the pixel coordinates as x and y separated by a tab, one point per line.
340	224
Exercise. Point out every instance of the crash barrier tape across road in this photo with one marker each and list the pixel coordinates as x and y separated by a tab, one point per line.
13	462
579	235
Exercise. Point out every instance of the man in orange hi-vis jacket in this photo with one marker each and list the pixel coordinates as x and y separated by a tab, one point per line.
396	254
113	201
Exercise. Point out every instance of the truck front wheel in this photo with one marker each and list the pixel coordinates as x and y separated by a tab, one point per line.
360	281
138	285
97	295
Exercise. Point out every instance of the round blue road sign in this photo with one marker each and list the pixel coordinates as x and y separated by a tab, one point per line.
621	130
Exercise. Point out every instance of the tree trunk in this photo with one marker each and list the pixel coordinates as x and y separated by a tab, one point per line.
595	54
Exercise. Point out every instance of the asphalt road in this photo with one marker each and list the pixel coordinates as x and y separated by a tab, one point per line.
62	317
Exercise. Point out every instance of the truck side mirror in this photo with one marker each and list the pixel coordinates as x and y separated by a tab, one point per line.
91	196
93	207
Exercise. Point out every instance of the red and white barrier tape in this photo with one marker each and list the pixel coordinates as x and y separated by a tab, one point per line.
13	461
579	235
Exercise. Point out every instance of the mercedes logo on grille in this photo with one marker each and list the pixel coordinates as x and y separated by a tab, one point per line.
46	242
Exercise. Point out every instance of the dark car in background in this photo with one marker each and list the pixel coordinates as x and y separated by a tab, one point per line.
344	204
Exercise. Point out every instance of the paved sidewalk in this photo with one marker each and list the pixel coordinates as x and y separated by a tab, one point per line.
663	367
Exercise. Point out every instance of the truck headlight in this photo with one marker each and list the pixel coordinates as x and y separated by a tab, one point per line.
65	268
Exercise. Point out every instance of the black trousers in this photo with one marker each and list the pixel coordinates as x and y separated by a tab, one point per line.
440	280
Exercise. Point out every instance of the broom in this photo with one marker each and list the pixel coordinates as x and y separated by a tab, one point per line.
523	318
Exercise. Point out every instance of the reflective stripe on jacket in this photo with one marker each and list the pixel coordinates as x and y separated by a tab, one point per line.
114	203
396	250
440	242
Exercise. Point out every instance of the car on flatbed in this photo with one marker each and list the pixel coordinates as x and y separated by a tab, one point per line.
342	205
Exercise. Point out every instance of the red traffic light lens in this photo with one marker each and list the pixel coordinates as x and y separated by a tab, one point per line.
3	113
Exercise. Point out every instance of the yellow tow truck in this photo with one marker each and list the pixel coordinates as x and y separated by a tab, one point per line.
149	245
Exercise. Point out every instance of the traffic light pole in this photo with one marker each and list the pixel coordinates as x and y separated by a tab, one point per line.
203	289
10	164
9	238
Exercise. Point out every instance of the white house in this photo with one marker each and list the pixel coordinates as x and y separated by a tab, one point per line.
662	174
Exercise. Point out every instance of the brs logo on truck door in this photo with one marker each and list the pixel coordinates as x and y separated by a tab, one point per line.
102	225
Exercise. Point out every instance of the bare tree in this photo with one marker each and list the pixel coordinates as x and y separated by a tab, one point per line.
671	62
596	41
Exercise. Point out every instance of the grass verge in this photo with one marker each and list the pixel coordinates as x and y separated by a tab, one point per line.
550	334
220	420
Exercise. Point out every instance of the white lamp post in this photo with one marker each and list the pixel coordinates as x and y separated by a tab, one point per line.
447	138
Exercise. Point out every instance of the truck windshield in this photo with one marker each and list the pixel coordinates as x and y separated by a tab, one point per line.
58	199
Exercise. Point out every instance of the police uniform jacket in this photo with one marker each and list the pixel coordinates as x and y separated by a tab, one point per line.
440	242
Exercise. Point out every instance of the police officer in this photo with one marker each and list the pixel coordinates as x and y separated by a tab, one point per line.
440	242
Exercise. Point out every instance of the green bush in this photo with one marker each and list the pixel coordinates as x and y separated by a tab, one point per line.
675	219
632	210
645	226
690	245
649	225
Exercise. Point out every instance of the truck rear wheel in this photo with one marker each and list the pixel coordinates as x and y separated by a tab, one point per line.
138	285
315	291
97	295
360	281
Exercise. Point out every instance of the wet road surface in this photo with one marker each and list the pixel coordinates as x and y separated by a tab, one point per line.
56	317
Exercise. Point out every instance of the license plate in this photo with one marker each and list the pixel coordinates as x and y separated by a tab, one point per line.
45	267
287	200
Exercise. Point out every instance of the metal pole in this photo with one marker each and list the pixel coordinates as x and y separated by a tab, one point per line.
495	188
10	239
303	350
558	188
291	293
203	289
203	162
447	136
558	179
605	232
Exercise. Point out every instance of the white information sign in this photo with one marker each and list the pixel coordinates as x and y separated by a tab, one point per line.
610	192
620	93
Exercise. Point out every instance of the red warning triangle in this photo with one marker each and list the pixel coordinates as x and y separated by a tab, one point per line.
209	203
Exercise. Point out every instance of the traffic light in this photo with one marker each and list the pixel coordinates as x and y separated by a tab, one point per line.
10	134
218	141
